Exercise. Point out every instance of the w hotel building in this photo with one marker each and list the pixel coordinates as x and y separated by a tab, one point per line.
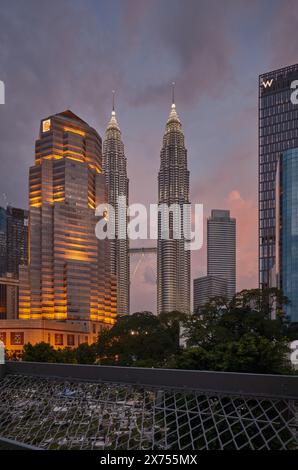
278	132
68	276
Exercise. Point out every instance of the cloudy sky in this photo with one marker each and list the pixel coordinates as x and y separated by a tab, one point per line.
63	54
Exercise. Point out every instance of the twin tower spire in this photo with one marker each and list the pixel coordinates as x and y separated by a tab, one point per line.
173	116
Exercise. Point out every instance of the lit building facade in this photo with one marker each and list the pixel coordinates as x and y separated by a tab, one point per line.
68	276
114	168
59	334
278	132
221	248
287	230
173	260
207	287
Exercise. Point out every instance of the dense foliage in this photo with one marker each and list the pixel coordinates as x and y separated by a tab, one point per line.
250	333
44	352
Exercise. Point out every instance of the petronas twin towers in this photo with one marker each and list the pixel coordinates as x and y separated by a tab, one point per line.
173	260
114	167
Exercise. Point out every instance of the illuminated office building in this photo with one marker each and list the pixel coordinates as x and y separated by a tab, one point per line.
278	132
173	260
114	167
68	276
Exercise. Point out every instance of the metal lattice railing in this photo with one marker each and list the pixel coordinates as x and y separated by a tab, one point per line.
58	414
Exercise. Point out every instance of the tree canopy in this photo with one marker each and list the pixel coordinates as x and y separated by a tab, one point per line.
249	333
141	339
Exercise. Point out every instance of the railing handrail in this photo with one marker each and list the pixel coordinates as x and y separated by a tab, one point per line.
274	386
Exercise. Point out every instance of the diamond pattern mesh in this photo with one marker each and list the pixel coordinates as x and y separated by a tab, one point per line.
57	414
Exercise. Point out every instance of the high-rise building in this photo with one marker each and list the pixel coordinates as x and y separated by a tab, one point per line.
17	239
114	168
286	261
278	132
9	297
207	287
221	248
3	241
13	240
173	260
68	277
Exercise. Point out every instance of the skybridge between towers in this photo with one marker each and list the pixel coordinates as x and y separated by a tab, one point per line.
141	251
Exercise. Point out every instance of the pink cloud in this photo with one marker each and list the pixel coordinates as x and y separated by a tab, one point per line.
245	212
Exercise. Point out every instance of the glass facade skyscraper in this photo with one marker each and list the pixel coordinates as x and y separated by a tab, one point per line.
278	132
287	231
3	241
173	260
13	240
221	248
114	168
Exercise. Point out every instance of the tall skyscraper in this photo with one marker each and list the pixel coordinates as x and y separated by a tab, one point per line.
9	297
278	132
207	287
114	167
68	277
286	263
3	241
17	239
221	248
13	240
173	260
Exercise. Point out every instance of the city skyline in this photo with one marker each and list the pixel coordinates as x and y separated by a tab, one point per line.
215	89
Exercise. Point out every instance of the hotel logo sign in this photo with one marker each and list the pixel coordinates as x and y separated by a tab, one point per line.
267	83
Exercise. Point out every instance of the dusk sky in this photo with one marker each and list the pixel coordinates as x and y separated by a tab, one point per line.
70	54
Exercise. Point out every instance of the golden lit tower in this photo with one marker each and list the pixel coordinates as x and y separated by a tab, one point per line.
68	277
114	167
173	261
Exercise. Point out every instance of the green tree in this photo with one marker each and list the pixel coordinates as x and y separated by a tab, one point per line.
247	334
67	356
40	352
85	354
141	339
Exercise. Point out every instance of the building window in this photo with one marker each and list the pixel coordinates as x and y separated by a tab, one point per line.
49	338
58	339
70	340
86	339
3	336
94	328
17	338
